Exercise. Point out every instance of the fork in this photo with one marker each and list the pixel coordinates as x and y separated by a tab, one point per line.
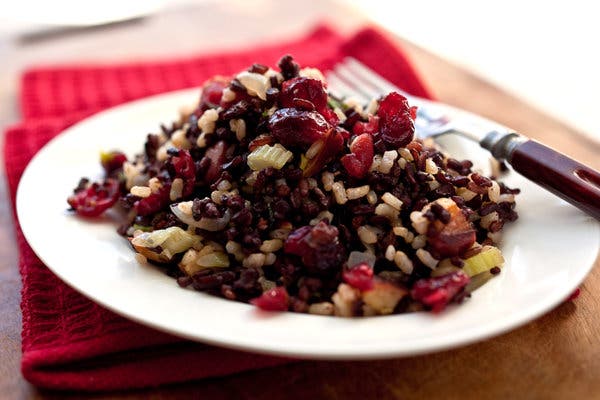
569	179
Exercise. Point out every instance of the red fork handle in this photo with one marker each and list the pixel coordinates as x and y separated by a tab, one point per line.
570	180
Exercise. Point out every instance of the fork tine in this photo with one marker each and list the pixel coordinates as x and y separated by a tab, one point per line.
337	86
372	78
356	82
356	71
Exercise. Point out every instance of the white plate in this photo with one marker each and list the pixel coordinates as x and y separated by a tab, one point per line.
548	252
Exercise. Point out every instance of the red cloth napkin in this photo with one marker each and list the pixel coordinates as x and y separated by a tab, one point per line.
69	342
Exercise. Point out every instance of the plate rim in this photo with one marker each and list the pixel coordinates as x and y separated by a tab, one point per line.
470	336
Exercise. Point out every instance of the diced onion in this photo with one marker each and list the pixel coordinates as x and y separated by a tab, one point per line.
173	240
208	224
213	260
255	84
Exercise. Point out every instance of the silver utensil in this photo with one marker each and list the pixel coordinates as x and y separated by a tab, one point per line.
572	181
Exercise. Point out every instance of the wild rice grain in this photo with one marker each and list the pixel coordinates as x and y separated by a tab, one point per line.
405	154
376	164
200	142
271	246
390	252
228	95
238	126
494	192
385	210
419	222
339	193
207	121
327	180
402	163
431	167
403	262
372	197
419	242
176	189
357	192
426	258
224	185
254	260
488	219
367	234
387	161
154	184
140	191
344	300
400	231
322	215
179	140
392	200
217	196
270	259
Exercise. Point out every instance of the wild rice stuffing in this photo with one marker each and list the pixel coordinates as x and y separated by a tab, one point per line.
274	192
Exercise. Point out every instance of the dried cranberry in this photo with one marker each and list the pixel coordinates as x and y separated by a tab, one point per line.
276	299
396	125
216	155
182	166
302	104
358	163
295	241
359	276
212	91
318	246
438	292
292	127
574	295
112	161
155	202
330	116
95	198
372	126
305	89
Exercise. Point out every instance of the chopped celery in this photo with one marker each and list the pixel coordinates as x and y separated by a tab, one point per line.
333	103
477	281
488	258
267	156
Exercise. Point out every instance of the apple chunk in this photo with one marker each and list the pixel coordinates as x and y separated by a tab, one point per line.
454	237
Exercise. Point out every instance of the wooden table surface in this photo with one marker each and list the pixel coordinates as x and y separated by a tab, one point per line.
554	357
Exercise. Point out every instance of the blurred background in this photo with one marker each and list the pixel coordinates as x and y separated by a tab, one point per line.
544	52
